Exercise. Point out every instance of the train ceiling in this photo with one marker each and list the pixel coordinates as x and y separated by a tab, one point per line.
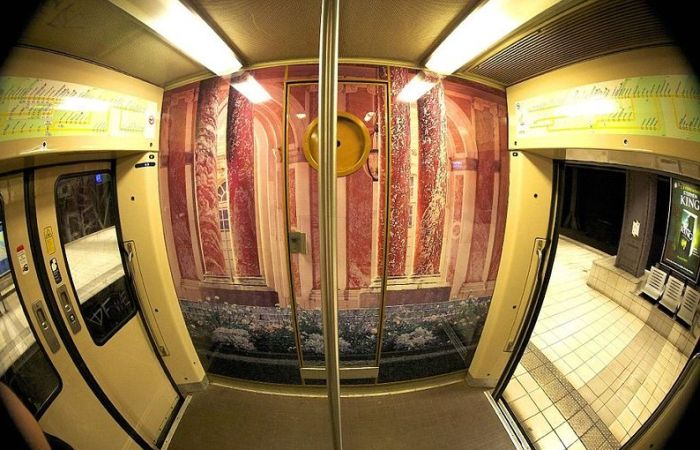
401	31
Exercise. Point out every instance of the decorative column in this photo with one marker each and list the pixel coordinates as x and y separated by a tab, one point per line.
432	181
399	196
205	177
502	186
358	202
241	186
176	140
484	125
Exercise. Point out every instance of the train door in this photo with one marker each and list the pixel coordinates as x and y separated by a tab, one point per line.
361	217
34	363
94	302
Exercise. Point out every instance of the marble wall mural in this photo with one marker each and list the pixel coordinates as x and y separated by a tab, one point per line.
235	180
210	97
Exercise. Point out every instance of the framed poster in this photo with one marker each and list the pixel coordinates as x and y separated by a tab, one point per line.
682	245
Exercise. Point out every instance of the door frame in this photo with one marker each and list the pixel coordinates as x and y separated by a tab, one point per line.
13	276
57	316
319	372
542	278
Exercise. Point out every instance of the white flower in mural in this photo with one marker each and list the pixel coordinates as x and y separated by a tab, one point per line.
416	339
313	343
234	337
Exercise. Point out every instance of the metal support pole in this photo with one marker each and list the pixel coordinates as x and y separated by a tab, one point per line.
327	138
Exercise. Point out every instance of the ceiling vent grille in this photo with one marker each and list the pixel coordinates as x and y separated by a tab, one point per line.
597	29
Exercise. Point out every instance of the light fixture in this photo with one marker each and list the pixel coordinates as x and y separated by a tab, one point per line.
81	104
301	116
368	116
253	90
595	106
185	30
415	88
481	30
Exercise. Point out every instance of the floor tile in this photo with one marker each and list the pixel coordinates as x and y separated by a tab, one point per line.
537	427
550	442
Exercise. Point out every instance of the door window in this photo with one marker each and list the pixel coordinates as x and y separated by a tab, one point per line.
86	210
24	366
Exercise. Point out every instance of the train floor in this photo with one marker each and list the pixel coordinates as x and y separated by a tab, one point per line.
451	416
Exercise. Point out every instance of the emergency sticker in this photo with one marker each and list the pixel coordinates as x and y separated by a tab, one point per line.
48	239
22	258
55	271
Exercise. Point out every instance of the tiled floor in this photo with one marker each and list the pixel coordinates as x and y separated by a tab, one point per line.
593	372
15	335
95	262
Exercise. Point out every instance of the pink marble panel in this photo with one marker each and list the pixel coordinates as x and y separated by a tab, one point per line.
315	231
484	125
358	229
359	100
383	157
399	197
241	185
456	225
291	182
432	181
360	71
178	107
210	97
302	72
503	168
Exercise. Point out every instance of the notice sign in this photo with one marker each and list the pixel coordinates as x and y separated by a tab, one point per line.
682	248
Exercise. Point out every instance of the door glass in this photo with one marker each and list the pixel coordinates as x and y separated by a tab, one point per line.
86	211
360	219
448	193
24	366
222	195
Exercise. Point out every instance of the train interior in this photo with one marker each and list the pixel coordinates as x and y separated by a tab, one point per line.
356	224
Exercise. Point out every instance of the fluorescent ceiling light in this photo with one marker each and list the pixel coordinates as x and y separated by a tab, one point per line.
596	106
301	116
185	30
482	29
80	104
252	90
415	89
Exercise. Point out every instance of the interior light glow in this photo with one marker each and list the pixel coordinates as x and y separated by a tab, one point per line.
253	90
82	104
185	30
415	89
596	106
301	116
368	116
481	30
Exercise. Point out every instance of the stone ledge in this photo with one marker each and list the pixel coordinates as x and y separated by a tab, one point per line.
624	289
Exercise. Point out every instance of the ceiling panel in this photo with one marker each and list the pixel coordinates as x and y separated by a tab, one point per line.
98	31
401	30
266	30
598	28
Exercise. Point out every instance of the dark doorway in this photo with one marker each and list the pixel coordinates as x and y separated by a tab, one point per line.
594	203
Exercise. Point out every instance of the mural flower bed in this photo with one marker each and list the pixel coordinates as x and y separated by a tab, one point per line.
264	331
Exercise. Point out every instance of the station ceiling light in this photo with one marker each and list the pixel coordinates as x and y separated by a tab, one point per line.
185	30
483	28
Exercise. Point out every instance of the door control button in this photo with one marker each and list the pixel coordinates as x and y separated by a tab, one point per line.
46	328
68	309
